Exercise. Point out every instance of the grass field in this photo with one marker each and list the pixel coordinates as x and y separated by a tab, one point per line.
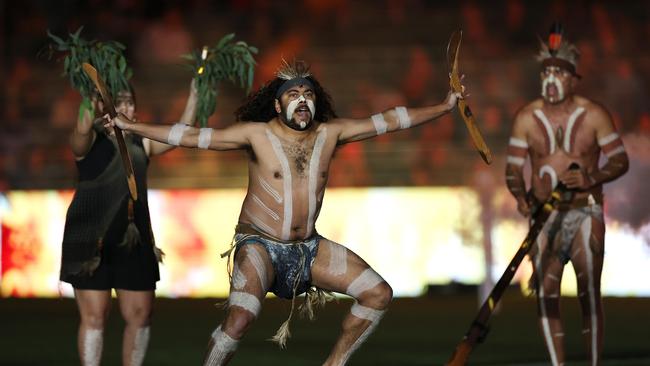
416	331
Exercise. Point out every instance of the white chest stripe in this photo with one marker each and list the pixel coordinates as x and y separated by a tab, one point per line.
314	165
380	123
267	187
264	207
548	128
259	223
286	173
547	169
607	139
569	128
403	117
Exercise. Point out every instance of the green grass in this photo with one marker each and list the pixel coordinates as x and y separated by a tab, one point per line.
420	331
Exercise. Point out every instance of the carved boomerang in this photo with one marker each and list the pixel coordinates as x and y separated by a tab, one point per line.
453	49
110	108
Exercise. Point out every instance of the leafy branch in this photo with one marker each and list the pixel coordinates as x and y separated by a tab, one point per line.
106	57
227	60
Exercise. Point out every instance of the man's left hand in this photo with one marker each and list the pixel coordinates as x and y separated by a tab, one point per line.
576	179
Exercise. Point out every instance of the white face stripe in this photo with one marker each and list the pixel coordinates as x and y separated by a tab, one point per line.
258	263
93	343
140	345
569	129
286	173
314	165
518	143
267	187
380	123
585	231
259	223
552	80
294	104
403	117
338	259
264	207
205	137
618	150
607	139
223	345
176	134
547	127
515	160
366	280
245	301
547	169
238	278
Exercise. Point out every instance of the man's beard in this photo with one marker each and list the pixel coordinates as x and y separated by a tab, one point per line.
560	95
287	114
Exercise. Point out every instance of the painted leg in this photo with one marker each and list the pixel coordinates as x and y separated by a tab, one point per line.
94	306
136	308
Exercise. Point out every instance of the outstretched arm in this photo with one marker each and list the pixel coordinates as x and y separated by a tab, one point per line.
395	119
517	152
153	147
231	138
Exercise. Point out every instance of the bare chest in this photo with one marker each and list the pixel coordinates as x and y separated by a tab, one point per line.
561	133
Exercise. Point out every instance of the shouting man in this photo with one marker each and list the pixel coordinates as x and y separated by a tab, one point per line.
291	131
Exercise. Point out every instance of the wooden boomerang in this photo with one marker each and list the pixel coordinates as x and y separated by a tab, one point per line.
110	107
453	47
479	327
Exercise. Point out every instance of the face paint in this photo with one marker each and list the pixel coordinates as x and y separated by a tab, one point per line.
552	80
291	108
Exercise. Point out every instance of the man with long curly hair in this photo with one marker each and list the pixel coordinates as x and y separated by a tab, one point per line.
291	131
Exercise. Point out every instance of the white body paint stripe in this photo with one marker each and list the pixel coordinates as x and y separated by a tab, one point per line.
618	150
362	338
546	328
380	123
548	128
569	128
270	190
338	259
286	173
260	224
140	345
258	263
607	139
176	134
366	280
246	301
93	343
515	160
585	230
518	143
364	312
238	278
547	169
264	207
314	165
205	137
403	117
223	346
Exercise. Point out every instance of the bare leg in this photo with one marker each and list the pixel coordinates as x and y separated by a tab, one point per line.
548	273
94	306
341	270
587	259
252	275
136	308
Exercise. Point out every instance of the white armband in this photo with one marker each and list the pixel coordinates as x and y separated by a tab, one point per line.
176	134
205	137
380	123
403	117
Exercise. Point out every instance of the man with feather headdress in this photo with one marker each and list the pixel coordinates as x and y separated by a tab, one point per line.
290	130
556	131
